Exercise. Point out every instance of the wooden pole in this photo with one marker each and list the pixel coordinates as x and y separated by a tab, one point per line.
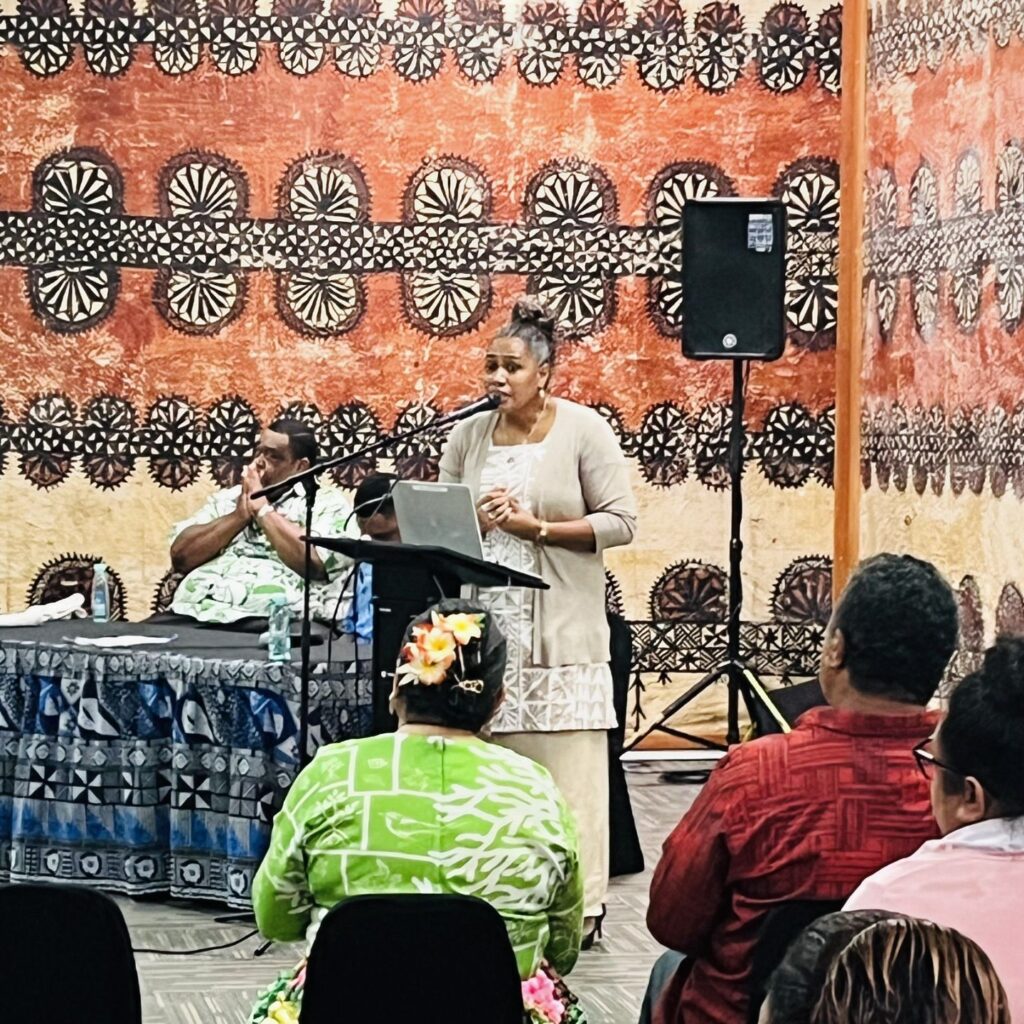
850	327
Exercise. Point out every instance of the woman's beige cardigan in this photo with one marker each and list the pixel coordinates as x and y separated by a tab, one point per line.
583	475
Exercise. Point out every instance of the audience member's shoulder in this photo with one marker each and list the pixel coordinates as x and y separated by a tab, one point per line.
334	751
761	748
519	767
744	762
498	754
330	754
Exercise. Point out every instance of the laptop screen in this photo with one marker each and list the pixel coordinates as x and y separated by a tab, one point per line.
443	515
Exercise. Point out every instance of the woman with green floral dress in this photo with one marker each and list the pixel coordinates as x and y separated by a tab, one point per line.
431	808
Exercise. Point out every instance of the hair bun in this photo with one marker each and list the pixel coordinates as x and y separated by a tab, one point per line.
528	310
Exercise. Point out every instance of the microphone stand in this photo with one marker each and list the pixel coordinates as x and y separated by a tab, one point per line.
310	483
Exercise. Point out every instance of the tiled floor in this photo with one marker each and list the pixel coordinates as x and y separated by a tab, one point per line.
220	987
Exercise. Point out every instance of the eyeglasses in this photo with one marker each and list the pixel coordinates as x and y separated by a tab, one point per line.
928	762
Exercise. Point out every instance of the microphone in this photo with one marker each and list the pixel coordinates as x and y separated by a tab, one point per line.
485	404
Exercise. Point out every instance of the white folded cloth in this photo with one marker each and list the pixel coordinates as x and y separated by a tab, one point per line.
36	614
128	640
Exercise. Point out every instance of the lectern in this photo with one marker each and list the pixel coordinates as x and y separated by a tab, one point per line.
407	579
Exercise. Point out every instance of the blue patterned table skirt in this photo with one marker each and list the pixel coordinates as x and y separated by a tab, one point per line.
146	772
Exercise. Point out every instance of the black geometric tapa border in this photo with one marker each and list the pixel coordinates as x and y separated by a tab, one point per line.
107	438
323	243
686	631
687	628
711	48
928	449
904	36
932	252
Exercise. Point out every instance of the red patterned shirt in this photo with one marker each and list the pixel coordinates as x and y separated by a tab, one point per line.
808	815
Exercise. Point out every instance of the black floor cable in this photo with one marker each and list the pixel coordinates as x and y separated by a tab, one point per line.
201	949
241	918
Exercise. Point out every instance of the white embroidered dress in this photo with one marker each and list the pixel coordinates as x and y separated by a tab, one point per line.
537	698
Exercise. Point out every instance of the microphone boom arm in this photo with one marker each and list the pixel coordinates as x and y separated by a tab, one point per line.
308	479
284	486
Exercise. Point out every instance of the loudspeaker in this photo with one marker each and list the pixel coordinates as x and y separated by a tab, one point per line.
734	278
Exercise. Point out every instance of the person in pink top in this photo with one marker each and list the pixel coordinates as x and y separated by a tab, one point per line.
972	879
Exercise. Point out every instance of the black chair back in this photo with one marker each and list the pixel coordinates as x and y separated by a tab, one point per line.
791	702
432	959
66	956
781	926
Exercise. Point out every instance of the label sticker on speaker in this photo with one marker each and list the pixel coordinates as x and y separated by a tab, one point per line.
760	232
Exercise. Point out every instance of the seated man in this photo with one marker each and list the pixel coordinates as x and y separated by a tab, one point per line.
238	552
809	814
375	514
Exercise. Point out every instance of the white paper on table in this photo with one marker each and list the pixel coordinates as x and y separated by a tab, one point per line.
130	640
40	613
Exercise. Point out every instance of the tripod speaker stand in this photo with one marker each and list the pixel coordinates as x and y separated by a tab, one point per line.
742	682
733	283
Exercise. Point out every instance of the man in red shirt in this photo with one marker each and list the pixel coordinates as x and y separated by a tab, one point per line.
809	814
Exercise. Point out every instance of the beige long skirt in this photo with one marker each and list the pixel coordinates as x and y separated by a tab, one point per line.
578	762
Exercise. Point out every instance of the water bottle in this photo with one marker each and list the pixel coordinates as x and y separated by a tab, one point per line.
279	636
100	593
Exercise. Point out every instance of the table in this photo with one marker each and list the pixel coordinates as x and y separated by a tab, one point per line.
156	769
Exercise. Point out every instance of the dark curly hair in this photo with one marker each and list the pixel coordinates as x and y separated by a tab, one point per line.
898	617
534	325
983	732
447	703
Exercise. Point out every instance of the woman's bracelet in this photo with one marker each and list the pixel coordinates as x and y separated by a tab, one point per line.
542	533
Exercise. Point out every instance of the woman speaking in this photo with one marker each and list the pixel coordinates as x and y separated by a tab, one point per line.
553	492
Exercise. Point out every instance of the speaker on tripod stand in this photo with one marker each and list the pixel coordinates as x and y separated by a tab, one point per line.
733	285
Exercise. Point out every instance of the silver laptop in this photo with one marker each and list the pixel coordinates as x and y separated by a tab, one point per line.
443	515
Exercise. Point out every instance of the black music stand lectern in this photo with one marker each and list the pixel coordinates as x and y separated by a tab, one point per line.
407	579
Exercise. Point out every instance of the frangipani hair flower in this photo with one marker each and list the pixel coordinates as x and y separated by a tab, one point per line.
435	646
463	627
415	668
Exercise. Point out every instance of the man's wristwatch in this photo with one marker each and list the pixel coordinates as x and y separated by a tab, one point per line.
542	533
